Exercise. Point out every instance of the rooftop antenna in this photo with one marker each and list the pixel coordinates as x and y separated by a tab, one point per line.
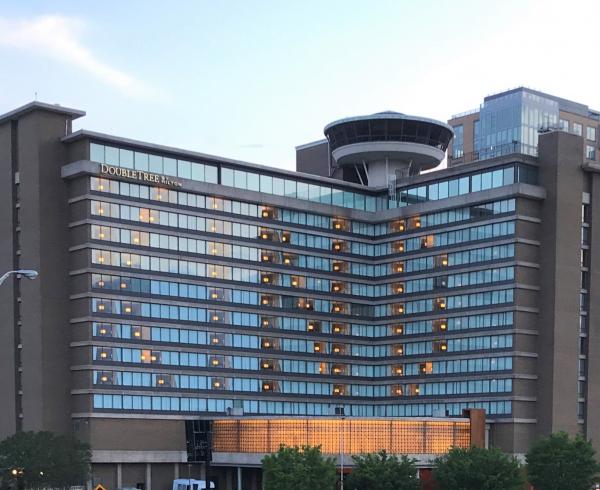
35	96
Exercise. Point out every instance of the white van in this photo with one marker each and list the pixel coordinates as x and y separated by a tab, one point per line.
185	484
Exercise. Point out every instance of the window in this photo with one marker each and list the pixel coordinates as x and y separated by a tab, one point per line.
590	152
564	125
591	134
577	129
458	143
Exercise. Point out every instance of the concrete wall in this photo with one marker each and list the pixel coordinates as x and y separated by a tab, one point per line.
558	346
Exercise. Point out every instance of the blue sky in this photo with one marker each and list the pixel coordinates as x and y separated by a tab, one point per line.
252	79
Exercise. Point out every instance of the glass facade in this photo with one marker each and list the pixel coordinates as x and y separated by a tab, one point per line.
303	190
515	118
199	303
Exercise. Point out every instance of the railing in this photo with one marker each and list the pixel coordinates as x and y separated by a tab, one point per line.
493	152
466	113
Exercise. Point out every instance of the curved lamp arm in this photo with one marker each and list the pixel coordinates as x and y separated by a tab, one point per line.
29	274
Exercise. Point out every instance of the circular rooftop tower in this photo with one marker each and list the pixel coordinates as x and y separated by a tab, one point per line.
386	144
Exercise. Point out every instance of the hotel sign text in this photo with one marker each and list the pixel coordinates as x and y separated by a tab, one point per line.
138	175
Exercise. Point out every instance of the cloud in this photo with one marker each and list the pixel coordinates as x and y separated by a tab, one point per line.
57	36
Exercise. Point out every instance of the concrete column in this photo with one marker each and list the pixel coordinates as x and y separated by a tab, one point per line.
176	471
239	478
119	475
229	479
148	476
203	471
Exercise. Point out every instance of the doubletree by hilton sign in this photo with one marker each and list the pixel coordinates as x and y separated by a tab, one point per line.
138	175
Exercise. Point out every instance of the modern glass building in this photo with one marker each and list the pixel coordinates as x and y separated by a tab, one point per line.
512	121
177	286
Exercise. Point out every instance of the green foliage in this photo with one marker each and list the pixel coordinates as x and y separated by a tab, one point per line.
381	471
478	469
293	468
558	462
43	460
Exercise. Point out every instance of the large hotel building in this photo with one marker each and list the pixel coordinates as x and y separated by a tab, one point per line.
187	297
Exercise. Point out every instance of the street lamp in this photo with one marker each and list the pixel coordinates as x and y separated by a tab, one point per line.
28	273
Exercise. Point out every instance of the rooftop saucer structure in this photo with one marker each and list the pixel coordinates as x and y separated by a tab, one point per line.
386	145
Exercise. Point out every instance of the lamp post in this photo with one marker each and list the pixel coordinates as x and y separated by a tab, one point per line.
28	273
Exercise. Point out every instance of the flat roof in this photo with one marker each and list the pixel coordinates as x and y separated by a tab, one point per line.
41	106
387	115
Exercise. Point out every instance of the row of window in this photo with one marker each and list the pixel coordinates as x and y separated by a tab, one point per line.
197	382
577	129
268	302
224	317
454	187
241	252
269	344
297	189
302	218
269	235
202	269
217	361
262	407
197	337
200	337
215	293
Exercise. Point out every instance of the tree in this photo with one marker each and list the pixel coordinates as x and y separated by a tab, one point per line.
558	462
381	471
478	469
43	460
294	468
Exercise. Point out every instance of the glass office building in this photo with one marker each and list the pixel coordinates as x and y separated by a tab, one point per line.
181	286
511	121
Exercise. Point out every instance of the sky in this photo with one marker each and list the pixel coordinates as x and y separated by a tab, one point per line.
251	80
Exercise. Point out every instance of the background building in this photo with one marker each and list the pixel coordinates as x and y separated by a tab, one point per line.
512	121
180	286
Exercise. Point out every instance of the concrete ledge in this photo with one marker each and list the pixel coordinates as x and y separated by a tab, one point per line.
117	456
